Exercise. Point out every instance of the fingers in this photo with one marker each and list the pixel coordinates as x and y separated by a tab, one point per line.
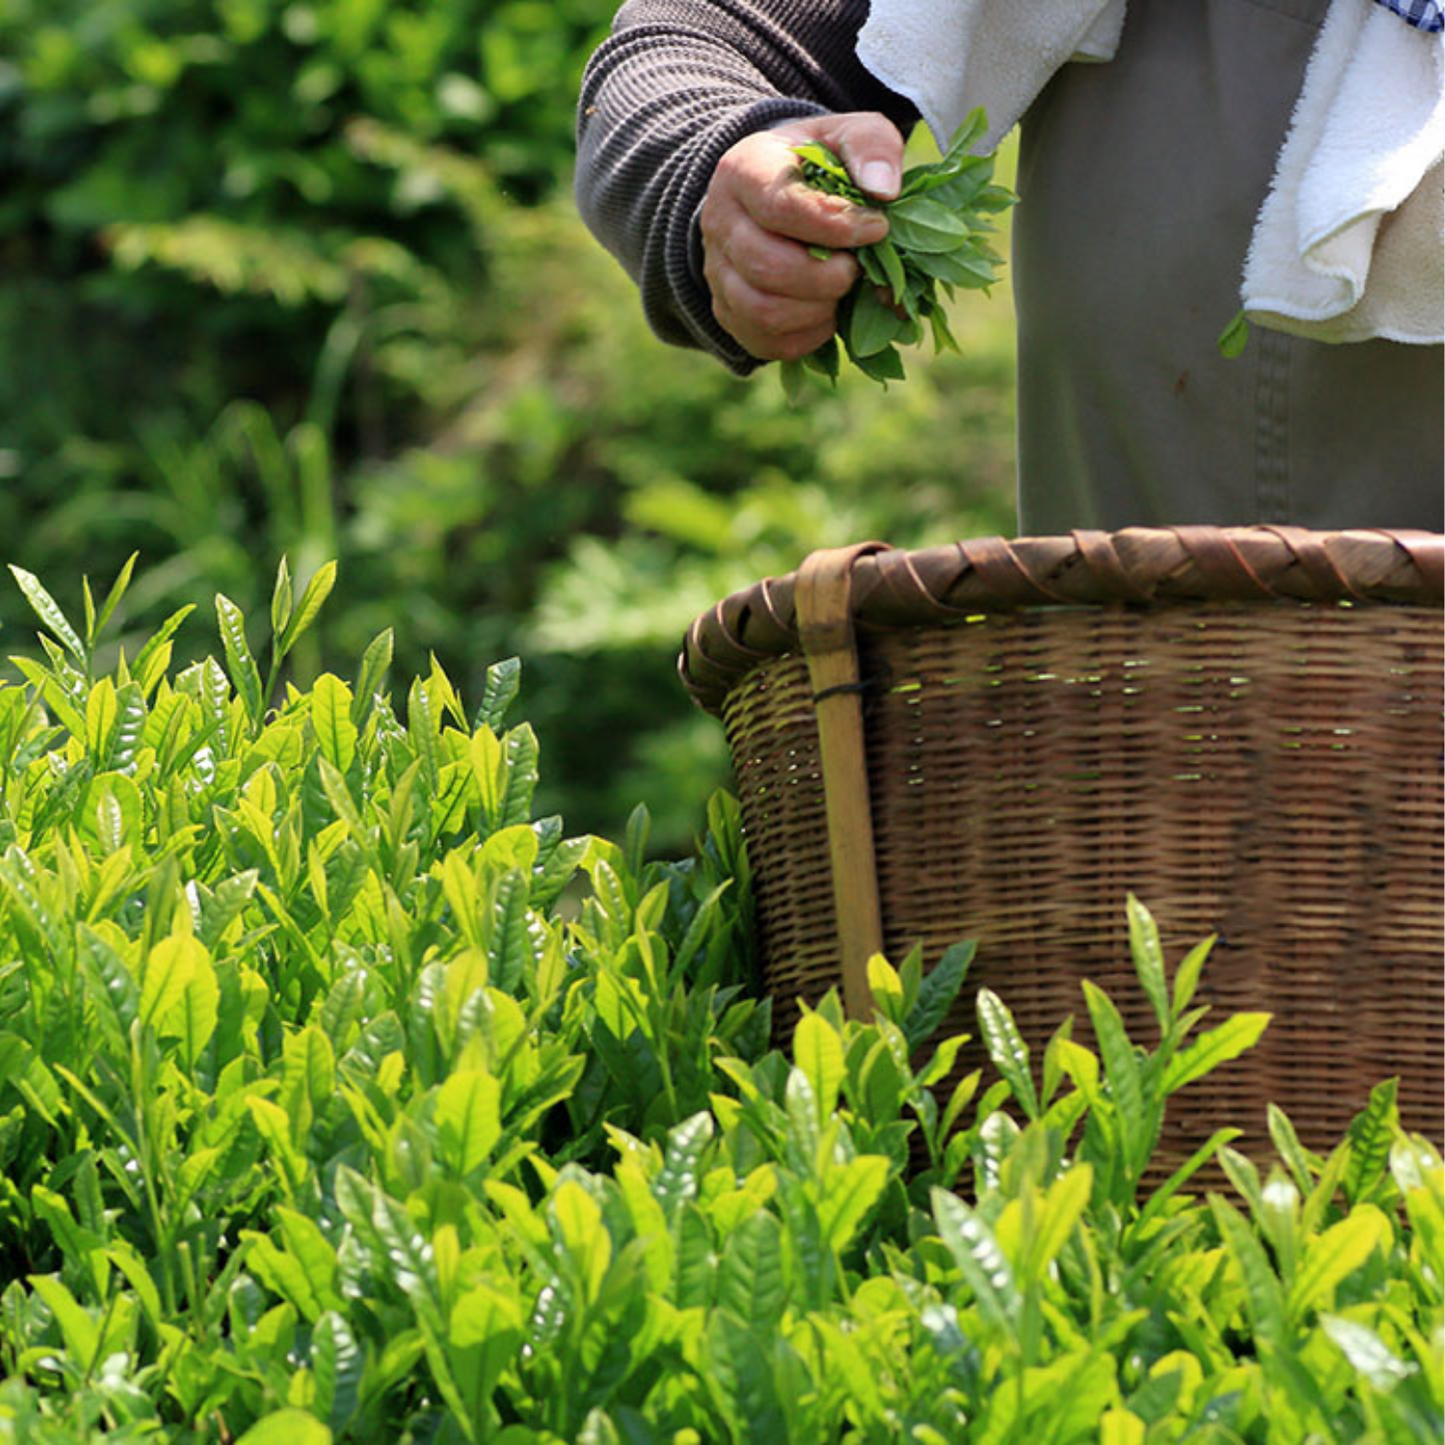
758	221
772	325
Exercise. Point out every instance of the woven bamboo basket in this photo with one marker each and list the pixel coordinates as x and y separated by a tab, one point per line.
1000	740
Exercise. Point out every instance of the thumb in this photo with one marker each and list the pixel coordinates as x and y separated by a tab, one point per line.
871	147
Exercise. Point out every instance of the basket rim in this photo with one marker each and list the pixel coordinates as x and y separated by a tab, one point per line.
1140	566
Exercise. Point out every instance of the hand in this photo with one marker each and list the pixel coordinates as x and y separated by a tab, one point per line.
758	220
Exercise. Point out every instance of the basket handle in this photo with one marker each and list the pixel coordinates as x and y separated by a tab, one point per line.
823	601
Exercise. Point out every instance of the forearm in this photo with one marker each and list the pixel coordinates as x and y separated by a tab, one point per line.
678	83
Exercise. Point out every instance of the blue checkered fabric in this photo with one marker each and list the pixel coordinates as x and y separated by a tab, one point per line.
1422	14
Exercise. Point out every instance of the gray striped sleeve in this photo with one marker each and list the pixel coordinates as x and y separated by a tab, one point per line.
678	83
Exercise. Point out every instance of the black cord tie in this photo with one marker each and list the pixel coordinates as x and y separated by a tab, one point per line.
827	692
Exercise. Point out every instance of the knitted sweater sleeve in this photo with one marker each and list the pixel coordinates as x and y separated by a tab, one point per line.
678	83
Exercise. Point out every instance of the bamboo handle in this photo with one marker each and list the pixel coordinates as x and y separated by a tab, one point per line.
825	624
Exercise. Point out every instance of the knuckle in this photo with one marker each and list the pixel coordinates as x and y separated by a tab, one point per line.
799	344
773	315
768	269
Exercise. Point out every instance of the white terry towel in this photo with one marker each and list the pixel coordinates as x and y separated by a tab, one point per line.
1350	241
1348	244
948	56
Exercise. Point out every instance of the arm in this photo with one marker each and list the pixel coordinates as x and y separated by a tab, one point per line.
676	88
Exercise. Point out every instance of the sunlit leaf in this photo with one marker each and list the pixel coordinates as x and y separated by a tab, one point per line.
318	589
468	1118
48	611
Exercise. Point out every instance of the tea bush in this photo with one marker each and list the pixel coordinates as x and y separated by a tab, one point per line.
332	1109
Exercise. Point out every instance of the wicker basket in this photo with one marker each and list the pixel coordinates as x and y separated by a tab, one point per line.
1241	726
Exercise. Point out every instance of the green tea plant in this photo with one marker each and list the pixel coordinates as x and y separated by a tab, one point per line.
937	236
341	1098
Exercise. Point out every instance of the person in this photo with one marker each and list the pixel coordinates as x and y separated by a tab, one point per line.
1140	180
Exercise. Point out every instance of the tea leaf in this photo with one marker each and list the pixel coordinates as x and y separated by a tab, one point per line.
1122	1069
980	1260
79	1331
48	611
871	325
308	1075
885	365
795	381
339	796
851	1194
338	1364
318	589
891	264
1148	954
281	600
819	1053
1286	1141
1266	1303
940	986
1062	1209
499	692
1340	1250
336	734
468	1119
112	599
935	231
1366	1352
1235	337
816	153
1191	1166
1007	1049
245	677
521	775
290	1426
676	1181
198	1010
1372	1131
509	945
168	968
751	1281
740	1374
921	223
1121	1427
1215	1047
375	662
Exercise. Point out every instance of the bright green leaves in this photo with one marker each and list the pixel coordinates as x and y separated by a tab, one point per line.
873	325
467	1116
819	1053
921	223
290	1426
245	676
1010	1054
332	1106
937	236
1214	1047
336	733
170	968
751	1281
981	1262
289	625
1235	337
48	611
1339	1251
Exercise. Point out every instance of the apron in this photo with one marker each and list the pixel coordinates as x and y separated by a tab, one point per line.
1140	181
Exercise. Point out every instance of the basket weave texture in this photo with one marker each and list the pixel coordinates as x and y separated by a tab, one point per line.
1240	726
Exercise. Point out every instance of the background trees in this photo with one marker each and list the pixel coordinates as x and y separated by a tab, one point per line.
306	279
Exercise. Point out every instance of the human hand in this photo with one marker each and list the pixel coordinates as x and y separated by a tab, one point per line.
758	220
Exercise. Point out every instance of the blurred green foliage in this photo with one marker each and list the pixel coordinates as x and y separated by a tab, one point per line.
305	279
